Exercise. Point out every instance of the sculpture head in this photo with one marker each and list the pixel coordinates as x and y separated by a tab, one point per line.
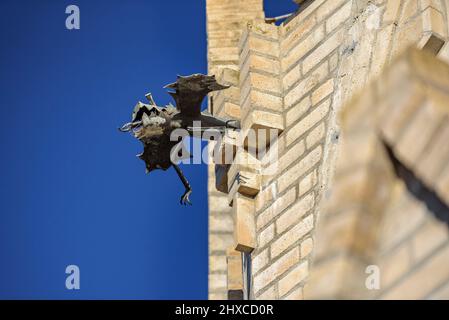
196	83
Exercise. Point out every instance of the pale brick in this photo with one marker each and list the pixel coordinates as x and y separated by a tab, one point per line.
266	196
291	236
220	242
381	50
410	8
294	152
339	17
217	282
225	51
293	277
292	175
296	294
433	21
308	122
395	265
329	7
333	62
217	203
441	294
294	213
428	238
436	4
307	24
434	159
417	135
259	63
307	183
298	110
217	263
291	77
269	294
266	83
323	51
234	270
297	22
265	30
276	269
322	92
244	224
302	48
277	207
218	296
225	21
266	100
391	11
263	46
306	247
315	136
260	261
266	235
436	267
299	91
232	110
263	119
220	222
406	36
324	279
229	77
400	115
336	234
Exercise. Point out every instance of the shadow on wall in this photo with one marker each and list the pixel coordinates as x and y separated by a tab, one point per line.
432	201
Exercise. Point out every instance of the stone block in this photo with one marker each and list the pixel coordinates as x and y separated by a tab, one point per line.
243	211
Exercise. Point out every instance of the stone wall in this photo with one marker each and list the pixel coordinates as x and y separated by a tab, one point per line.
225	23
389	205
295	78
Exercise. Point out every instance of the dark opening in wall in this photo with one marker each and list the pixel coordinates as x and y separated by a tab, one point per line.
246	265
434	44
417	188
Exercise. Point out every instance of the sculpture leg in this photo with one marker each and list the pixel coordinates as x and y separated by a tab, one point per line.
185	197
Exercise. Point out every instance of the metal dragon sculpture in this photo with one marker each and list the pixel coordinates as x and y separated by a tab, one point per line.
153	125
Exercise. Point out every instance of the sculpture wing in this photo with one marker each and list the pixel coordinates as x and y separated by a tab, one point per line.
156	152
189	92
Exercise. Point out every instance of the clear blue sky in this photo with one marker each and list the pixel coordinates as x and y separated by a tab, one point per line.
71	189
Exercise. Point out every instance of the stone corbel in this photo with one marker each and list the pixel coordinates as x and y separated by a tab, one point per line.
243	211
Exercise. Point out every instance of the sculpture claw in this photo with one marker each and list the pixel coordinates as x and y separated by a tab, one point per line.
129	126
185	198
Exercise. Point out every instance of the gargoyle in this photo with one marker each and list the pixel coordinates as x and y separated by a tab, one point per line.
153	125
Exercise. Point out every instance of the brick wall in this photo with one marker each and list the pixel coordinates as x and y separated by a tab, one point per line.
383	211
225	22
294	79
